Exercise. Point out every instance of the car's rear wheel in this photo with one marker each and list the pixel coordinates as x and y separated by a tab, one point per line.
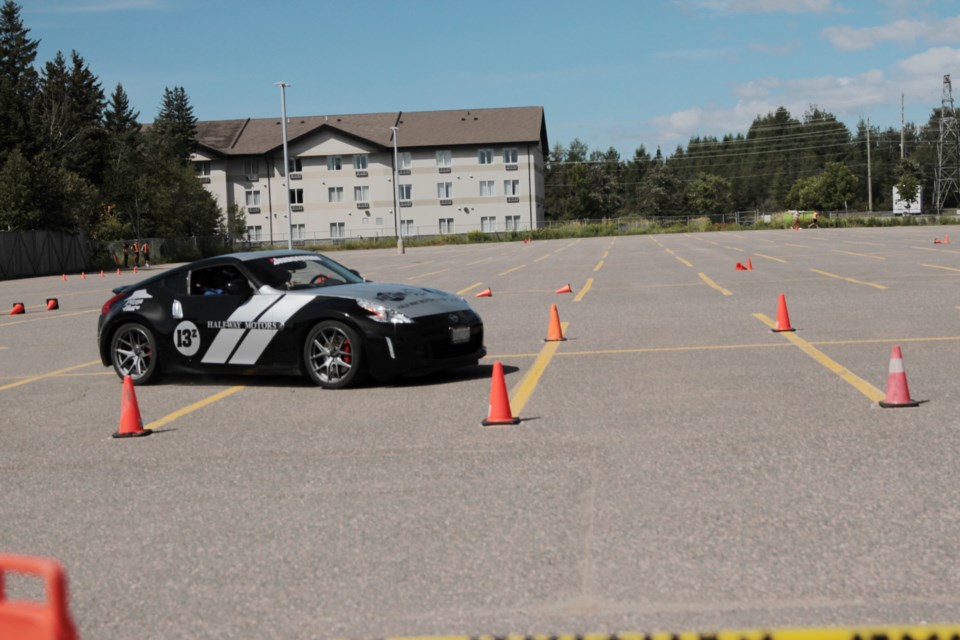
133	350
333	355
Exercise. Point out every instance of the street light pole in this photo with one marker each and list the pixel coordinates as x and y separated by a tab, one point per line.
286	159
398	220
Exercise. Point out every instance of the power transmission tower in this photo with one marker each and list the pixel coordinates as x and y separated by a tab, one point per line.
948	150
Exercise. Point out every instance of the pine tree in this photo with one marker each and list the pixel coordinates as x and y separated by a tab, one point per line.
176	123
18	81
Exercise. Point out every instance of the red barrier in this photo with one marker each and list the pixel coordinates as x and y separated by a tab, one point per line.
36	620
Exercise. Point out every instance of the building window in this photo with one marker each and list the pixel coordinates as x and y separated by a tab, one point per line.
337	230
406	227
251	168
513	223
295	165
255	233
444	158
299	231
202	168
485	156
444	190
335	194
379	221
446	225
509	155
404	160
252	198
488	188
360	162
361	194
334	163
511	187
296	196
488	224
406	191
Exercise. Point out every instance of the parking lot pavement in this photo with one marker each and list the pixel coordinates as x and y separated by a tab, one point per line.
677	466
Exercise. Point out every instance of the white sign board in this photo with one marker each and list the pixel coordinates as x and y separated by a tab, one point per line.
899	206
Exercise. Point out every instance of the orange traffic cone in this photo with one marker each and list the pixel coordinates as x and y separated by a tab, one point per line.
29	620
749	265
898	394
554	332
946	238
134	268
937	241
17	309
52	304
101	273
118	270
783	318
500	412
564	289
83	275
64	277
740	267
486	293
131	425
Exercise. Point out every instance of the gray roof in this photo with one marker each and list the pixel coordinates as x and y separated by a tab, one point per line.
260	136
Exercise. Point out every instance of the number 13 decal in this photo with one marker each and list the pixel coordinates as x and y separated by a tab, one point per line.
186	338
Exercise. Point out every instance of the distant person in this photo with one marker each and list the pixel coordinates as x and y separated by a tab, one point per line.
136	253
796	220
145	248
126	253
815	224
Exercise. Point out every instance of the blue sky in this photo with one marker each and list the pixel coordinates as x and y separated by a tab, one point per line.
614	73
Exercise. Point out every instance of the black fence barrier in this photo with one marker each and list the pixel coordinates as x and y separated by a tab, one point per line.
25	254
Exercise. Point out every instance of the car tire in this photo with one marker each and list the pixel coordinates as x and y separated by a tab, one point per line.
133	351
333	355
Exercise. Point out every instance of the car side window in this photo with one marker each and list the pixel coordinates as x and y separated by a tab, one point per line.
219	280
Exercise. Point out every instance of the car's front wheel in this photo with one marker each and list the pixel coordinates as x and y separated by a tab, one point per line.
133	350
333	355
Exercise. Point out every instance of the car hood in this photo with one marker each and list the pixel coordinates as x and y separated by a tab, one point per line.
411	301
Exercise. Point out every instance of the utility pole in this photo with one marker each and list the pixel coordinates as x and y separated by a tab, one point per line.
286	159
869	175
901	127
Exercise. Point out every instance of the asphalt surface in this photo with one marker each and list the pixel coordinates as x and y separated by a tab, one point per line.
678	465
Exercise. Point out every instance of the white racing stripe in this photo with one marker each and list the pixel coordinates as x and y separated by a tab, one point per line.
245	346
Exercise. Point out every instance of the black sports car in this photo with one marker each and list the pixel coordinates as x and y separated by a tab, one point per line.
284	312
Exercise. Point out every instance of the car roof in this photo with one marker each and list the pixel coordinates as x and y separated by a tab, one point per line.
247	256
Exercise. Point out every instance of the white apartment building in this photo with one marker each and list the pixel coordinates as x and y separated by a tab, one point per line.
456	171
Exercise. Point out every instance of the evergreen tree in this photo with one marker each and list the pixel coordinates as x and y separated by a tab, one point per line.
18	81
176	123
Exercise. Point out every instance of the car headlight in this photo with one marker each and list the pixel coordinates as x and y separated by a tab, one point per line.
382	313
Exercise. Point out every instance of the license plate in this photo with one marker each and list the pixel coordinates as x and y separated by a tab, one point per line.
459	335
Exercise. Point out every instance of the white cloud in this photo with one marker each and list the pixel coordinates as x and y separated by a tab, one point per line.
903	32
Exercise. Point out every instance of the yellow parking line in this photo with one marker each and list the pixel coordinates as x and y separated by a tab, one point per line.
861	255
524	390
924	249
845	374
937	266
873	244
156	424
597	268
424	275
473	286
770	257
734	249
55	316
853	280
605	254
670	251
583	291
542	258
48	375
714	285
478	261
686	262
512	270
415	265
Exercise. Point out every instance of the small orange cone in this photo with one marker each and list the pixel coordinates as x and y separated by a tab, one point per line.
564	289
486	293
749	265
52	304
131	425
740	267
946	238
83	275
17	309
134	268
118	270
937	241
554	332
64	277
783	318
898	393
36	620
101	273
500	412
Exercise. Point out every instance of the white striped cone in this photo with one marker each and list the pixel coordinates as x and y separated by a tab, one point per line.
898	393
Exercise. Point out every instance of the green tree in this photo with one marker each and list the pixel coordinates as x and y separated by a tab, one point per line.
19	185
18	81
710	194
908	186
660	193
837	186
176	123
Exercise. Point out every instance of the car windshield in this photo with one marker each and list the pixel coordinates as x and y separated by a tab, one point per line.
305	271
